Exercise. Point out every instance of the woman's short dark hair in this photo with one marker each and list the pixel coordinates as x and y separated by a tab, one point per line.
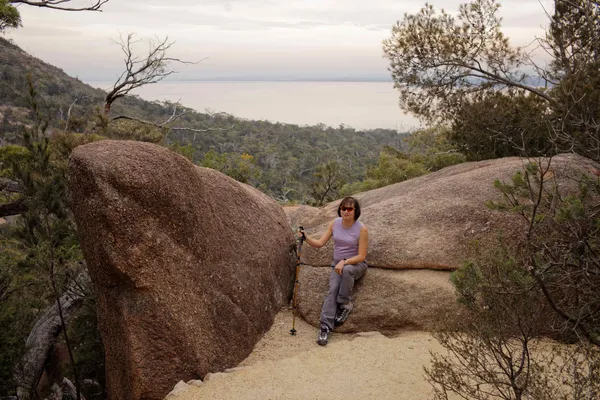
347	201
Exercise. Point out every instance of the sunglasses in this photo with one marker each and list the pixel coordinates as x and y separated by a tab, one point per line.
347	209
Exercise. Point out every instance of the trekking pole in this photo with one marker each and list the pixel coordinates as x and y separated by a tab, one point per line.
294	306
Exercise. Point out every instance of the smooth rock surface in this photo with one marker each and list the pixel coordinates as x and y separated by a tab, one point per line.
419	231
190	266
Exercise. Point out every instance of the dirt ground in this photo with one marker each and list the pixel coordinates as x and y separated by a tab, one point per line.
351	366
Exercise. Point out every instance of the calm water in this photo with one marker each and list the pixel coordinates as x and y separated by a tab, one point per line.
362	105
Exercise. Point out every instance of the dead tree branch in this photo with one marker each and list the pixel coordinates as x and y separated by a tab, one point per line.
57	4
170	120
68	118
203	130
139	72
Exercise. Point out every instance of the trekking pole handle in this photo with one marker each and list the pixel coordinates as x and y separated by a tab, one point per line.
301	230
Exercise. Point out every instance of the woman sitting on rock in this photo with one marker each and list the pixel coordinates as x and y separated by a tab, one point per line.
350	241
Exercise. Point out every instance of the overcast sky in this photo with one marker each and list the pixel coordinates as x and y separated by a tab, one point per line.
266	39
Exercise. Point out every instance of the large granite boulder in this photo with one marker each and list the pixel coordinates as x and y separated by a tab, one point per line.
385	301
433	222
190	266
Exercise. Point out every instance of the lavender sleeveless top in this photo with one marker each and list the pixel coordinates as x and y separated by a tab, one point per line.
345	241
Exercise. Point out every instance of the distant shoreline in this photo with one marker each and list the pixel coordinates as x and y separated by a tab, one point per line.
361	105
271	80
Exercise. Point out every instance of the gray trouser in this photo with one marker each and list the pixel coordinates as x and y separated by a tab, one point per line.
340	289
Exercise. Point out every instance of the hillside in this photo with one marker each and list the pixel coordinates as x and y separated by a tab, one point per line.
57	91
285	154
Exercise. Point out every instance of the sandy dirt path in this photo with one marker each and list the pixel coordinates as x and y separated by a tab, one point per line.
351	366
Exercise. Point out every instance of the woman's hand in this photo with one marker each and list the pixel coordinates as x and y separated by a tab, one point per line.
301	234
317	243
339	267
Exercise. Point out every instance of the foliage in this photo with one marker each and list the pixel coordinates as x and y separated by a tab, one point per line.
63	143
501	125
41	252
188	151
358	187
562	242
548	283
327	180
425	151
395	166
10	155
240	167
432	148
574	41
11	346
499	101
89	349
17	301
491	348
132	130
47	233
578	108
437	62
578	369
9	16
573	37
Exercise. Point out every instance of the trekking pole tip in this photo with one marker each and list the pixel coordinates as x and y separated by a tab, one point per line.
293	332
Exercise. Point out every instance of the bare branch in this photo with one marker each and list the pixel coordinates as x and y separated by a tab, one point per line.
143	121
446	152
203	130
168	121
139	72
77	98
56	4
174	116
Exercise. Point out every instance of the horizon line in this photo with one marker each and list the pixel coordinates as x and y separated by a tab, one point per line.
250	79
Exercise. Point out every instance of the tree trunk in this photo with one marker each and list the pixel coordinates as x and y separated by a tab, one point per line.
66	391
43	336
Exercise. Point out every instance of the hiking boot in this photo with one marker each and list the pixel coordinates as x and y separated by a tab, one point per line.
342	314
323	337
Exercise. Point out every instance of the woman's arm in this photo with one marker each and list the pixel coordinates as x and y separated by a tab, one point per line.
322	241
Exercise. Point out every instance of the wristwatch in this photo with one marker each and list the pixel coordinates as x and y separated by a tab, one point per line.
345	261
